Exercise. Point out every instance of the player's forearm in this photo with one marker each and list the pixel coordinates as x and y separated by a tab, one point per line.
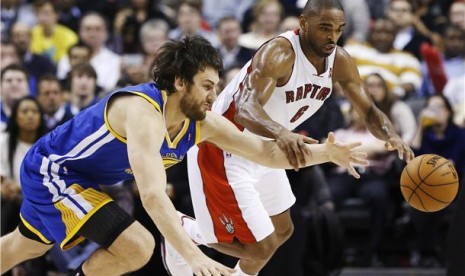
277	158
162	212
379	124
255	119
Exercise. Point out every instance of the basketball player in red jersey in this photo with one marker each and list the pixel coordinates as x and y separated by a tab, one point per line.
241	208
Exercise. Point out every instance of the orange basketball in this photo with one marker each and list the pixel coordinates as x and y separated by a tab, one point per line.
429	182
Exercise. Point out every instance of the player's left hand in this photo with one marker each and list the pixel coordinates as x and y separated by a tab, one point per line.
404	150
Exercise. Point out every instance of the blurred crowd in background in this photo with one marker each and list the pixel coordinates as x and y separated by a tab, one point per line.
60	57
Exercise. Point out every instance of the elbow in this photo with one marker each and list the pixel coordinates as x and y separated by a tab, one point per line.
149	201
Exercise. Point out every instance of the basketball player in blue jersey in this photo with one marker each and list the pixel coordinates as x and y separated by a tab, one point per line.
135	132
285	83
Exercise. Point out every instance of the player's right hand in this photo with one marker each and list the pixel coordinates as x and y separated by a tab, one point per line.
293	145
204	266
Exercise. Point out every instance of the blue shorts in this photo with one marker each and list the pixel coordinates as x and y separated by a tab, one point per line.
56	202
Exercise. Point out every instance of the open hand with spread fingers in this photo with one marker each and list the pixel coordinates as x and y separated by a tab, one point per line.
345	155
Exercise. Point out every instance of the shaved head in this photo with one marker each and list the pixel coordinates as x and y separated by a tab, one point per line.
315	6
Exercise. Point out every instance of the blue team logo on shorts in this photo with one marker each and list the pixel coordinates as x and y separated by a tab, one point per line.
228	223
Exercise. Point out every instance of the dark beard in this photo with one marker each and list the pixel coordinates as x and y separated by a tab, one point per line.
191	110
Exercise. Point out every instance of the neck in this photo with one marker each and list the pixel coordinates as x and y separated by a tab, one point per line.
6	108
173	114
81	102
48	30
96	50
317	61
28	136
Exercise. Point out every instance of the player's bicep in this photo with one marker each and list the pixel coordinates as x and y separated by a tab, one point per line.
347	75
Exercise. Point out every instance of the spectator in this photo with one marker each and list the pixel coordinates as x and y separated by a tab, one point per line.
452	58
135	68
129	21
51	99
408	37
69	14
36	65
400	114
453	91
233	55
290	23
8	54
189	18
153	34
94	33
267	15
400	69
14	87
432	14
25	127
214	10
457	14
372	187
77	54
13	11
436	135
83	85
48	37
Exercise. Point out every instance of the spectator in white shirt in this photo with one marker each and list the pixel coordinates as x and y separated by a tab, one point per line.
93	32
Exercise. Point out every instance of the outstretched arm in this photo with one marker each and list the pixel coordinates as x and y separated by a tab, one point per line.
144	145
346	73
218	130
271	65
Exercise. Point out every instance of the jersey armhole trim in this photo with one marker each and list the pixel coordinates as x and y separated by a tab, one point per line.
107	123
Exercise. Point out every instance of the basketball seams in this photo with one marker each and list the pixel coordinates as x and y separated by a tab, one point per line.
431	172
416	185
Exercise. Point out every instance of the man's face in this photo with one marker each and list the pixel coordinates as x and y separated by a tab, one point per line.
92	31
322	31
8	55
21	37
83	86
79	55
47	16
14	86
454	43
270	18
189	19
153	40
199	97
229	33
457	14
383	35
50	96
400	12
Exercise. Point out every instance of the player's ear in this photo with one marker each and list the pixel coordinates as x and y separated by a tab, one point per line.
303	22
178	84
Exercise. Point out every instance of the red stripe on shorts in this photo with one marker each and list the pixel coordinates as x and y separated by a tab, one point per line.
220	197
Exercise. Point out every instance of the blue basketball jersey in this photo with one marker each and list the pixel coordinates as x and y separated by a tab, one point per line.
86	150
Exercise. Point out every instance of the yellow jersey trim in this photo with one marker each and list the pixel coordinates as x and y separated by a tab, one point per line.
33	230
69	236
197	132
150	100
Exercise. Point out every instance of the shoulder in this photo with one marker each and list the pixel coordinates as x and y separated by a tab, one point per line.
276	54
